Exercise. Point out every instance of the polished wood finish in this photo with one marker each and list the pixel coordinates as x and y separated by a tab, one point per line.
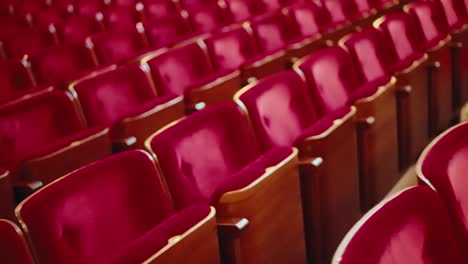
270	64
199	244
330	187
272	205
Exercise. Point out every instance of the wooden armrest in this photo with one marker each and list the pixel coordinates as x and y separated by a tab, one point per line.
231	226
404	89
142	126
311	165
366	122
123	144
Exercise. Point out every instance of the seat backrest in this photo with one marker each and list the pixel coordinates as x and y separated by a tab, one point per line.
210	17
430	20
202	151
158	9
176	70
279	107
370	52
14	248
168	31
364	6
443	165
15	79
27	42
231	49
341	11
195	4
117	46
30	124
273	32
93	213
455	12
113	93
331	78
120	18
410	227
75	29
59	64
401	28
310	19
240	10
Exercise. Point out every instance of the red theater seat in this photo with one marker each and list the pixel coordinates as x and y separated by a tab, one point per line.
410	227
116	210
186	70
376	58
241	10
211	157
13	246
43	138
27	42
125	100
76	29
443	166
335	83
235	49
15	79
158	9
341	13
210	17
168	31
61	64
283	114
120	18
118	46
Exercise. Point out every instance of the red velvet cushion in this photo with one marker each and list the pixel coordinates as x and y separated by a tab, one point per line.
155	239
13	247
14	79
97	211
341	11
272	32
159	9
445	164
202	151
371	54
120	18
114	94
210	17
117	46
32	125
240	9
26	42
176	70
63	63
76	28
412	227
455	12
331	78
232	49
310	18
168	31
279	108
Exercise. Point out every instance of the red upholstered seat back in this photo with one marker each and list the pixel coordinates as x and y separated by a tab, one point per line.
202	151
455	12
364	6
230	50
273	32
176	70
15	78
158	9
28	125
331	78
117	46
430	20
210	17
370	51
96	211
195	4
14	248
27	42
75	29
341	11
412	227
280	108
444	164
62	63
118	18
168	31
240	9
401	28
310	19
114	93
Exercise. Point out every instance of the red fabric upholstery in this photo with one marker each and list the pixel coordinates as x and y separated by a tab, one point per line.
445	166
14	248
232	49
98	211
341	11
310	19
158	9
455	12
59	64
27	42
15	79
221	132
371	53
114	94
240	9
273	32
117	46
280	109
168	31
88	8
401	28
178	69
11	25
118	18
331	78
430	20
210	17
77	28
365	6
412	227
48	121
191	5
